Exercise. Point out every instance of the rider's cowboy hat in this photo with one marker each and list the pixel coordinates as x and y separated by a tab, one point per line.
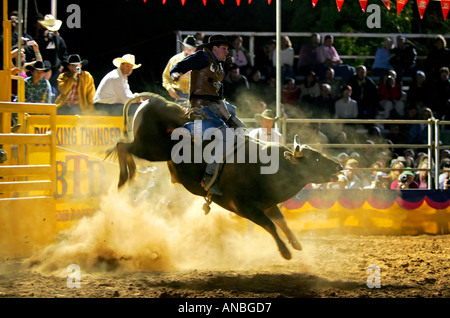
127	58
38	66
189	42
51	23
267	114
217	40
74	59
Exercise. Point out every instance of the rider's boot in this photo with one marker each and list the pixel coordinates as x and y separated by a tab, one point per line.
214	188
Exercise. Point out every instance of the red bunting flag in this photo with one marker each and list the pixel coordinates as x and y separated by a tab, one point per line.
422	6
314	2
445	6
363	4
339	4
387	3
400	5
269	1
238	2
204	2
249	1
164	1
183	2
223	1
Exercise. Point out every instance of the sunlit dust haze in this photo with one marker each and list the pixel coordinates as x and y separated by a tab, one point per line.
153	225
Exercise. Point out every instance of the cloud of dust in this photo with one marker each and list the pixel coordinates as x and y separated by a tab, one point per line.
158	228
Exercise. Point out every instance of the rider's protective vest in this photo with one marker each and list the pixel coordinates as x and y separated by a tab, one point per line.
207	81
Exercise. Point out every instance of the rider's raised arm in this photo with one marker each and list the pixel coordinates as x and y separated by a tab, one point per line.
195	61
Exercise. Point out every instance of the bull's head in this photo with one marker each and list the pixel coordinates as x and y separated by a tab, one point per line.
312	162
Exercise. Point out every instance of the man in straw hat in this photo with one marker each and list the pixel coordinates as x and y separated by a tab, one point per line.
179	90
114	91
52	46
266	133
206	93
76	86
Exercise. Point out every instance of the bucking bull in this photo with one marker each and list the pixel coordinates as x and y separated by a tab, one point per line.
246	191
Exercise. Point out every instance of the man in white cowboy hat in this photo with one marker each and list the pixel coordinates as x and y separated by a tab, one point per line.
114	91
179	90
77	88
206	94
266	132
52	46
37	88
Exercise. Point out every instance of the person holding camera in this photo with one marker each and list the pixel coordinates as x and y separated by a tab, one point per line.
444	177
77	88
390	93
405	181
52	45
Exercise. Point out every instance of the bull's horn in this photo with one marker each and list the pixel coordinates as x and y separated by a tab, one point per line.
297	147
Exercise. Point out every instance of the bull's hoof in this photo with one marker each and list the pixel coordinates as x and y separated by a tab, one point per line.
285	253
296	244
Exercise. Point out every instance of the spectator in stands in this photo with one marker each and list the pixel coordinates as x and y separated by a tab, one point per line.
241	56
324	104
30	47
335	84
418	133
234	84
438	57
421	177
77	88
390	93
381	64
365	93
441	101
264	60
37	87
114	91
444	177
309	89
405	181
307	58
419	92
286	58
329	57
199	37
258	86
398	166
347	179
179	90
266	132
374	134
403	58
52	45
346	107
48	75
291	92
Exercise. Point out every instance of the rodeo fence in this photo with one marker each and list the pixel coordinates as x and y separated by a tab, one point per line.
434	146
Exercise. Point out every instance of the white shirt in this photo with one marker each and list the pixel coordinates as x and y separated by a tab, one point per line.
286	57
113	89
262	135
345	109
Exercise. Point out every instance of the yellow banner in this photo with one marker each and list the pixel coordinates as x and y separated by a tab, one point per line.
83	175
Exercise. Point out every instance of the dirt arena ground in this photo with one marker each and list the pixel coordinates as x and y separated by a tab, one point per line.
142	246
334	266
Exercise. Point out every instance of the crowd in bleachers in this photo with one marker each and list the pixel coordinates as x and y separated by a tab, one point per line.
320	85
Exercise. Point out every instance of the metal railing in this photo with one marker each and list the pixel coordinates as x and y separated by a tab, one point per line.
433	148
